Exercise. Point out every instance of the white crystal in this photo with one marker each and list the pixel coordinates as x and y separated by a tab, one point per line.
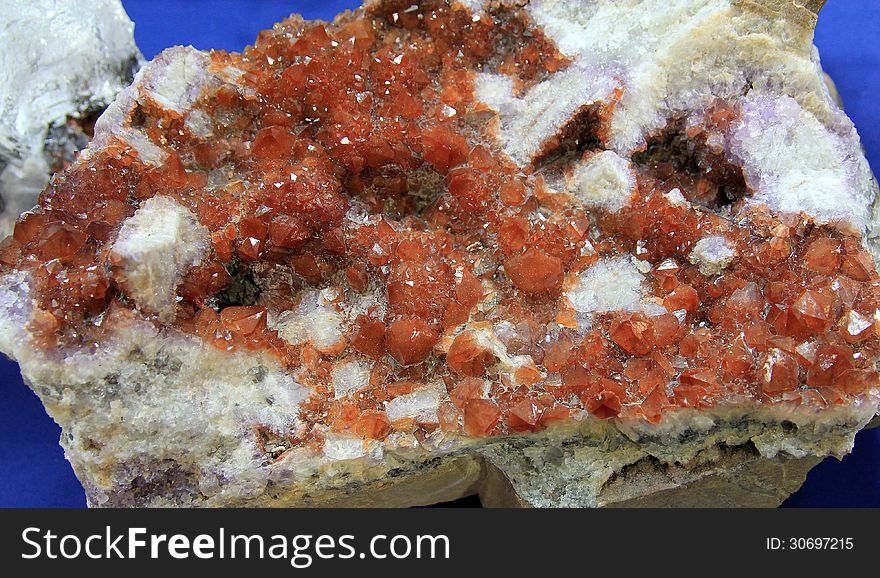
604	180
676	198
155	247
338	447
421	404
712	254
315	319
350	377
794	163
611	284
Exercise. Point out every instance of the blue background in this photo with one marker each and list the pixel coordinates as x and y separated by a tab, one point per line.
33	470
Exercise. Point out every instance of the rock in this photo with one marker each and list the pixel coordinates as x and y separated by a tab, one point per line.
425	252
61	64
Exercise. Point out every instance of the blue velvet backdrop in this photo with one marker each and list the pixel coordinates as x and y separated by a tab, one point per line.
33	471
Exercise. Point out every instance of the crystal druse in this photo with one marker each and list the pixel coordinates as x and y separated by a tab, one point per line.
561	253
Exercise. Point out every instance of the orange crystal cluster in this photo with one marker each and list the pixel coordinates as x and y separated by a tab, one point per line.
375	114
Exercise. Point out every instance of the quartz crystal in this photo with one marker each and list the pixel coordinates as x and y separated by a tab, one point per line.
587	251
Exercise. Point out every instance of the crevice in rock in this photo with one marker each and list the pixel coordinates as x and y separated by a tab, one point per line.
137	116
788	426
640	468
128	68
64	141
583	132
681	156
272	444
243	291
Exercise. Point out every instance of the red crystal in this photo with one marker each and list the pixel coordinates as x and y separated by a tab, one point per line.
606	404
682	297
243	320
410	340
812	310
534	271
444	148
633	334
737	361
831	362
467	389
778	372
858	264
480	417
370	338
466	357
525	415
823	256
373	425
288	231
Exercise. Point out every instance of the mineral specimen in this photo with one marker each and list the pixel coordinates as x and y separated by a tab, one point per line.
558	252
61	64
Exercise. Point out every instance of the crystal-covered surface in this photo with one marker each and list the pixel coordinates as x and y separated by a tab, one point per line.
344	199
